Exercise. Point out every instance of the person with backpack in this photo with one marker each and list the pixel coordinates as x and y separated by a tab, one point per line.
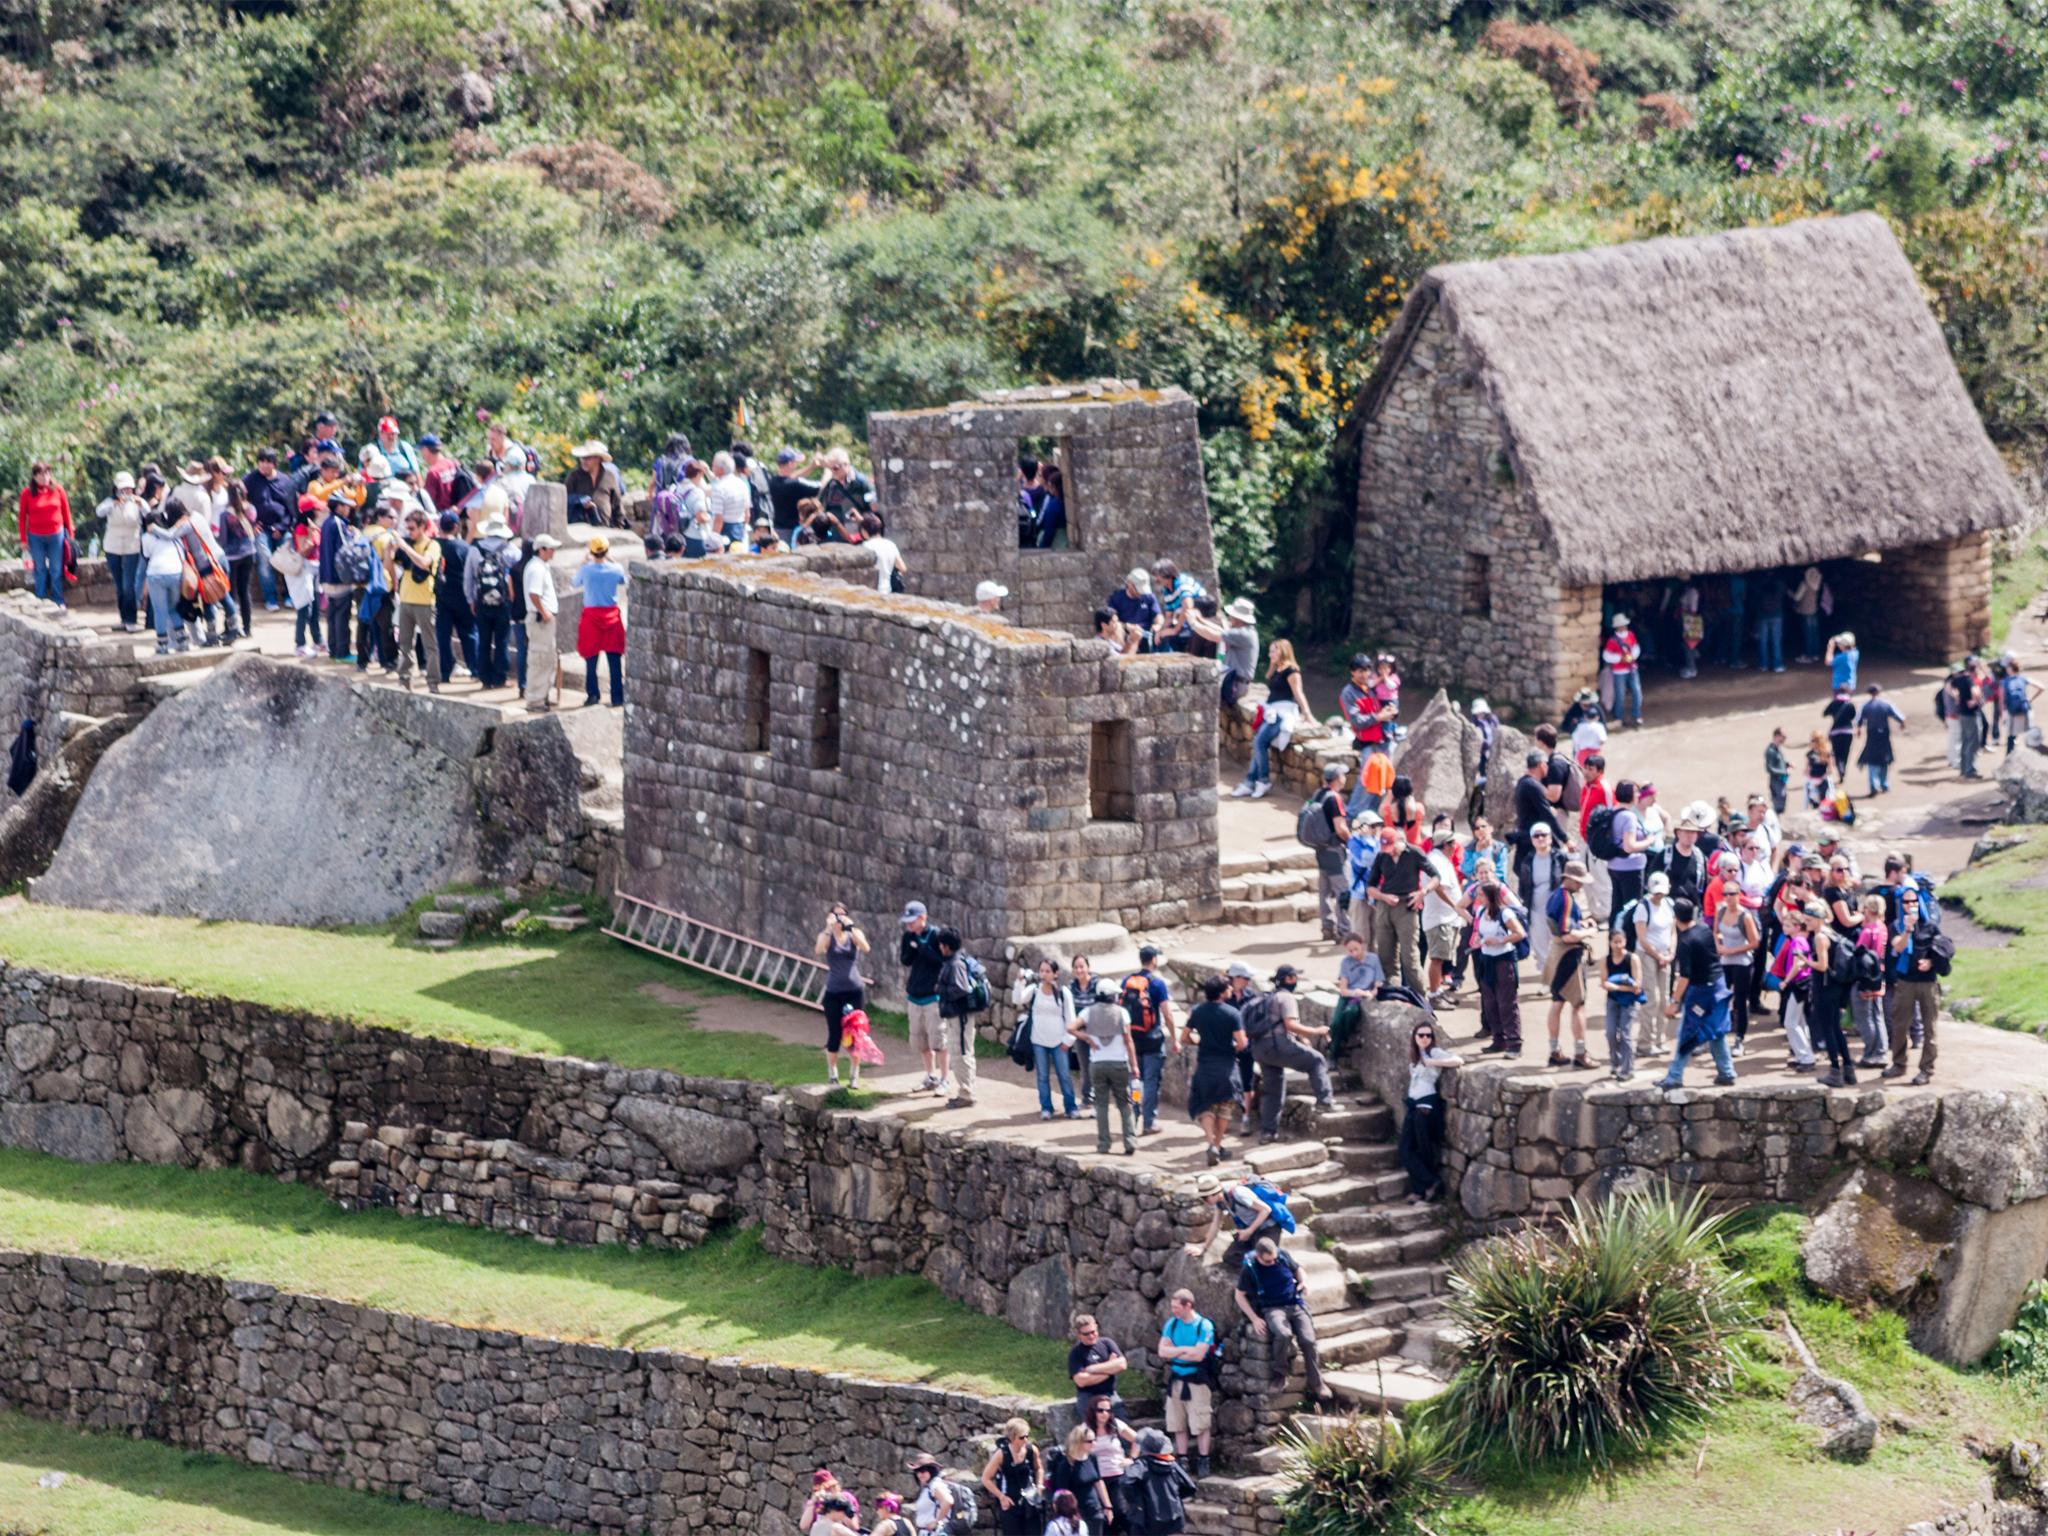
1501	938
1272	1298
917	951
1615	835
1699	1001
454	623
1015	1480
1867	999
963	995
1920	955
942	1505
1564	781
487	588
1828	981
1104	1031
1149	1003
1322	826
1048	1023
1187	1343
1071	1471
1214	1091
1278	1039
889	1517
1155	1489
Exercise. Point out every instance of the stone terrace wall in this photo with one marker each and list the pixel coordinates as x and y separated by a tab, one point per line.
961	776
487	1423
94	589
52	663
947	480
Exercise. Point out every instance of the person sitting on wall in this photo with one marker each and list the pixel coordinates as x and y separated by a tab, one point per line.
1134	603
1119	634
1177	593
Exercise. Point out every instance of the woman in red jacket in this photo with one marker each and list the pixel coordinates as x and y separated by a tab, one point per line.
43	519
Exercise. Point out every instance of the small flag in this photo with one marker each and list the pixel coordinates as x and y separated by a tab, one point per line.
739	416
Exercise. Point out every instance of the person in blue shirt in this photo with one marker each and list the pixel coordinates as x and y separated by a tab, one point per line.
601	631
1134	603
1177	593
1842	659
1271	1296
1050	529
1184	1344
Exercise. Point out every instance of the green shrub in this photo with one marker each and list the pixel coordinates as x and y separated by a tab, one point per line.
1363	1478
1594	1342
2022	1350
1634	58
1514	101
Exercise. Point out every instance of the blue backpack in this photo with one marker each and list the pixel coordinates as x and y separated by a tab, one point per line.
1276	1202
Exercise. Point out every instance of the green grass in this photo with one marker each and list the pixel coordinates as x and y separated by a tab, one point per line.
2006	892
1753	1471
115	1486
2015	582
579	994
728	1297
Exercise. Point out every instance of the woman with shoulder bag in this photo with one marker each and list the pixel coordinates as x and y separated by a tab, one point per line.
1049	1012
1015	1478
1072	1470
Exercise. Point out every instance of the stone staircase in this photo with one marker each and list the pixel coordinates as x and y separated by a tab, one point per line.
1261	888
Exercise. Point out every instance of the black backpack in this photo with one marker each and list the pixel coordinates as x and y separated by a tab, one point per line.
1312	827
1841	961
1260	1014
1869	969
353	560
1600	839
493	576
966	1514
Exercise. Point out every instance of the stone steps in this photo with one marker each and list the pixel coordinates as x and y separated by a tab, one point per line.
1437	1343
1369	1158
1367	1221
1407	1282
1394	1250
1392	1386
1260	914
1269	885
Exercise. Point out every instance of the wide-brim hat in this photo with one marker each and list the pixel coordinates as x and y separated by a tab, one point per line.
546	541
495	528
194	473
1241	610
593	449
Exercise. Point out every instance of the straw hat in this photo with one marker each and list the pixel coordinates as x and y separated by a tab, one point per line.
1241	610
592	449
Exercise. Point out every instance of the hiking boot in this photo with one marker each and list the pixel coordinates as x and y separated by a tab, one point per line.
1921	1078
1893	1071
1581	1060
1201	1465
1830	1079
960	1101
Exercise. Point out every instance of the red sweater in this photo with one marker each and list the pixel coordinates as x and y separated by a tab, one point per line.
44	511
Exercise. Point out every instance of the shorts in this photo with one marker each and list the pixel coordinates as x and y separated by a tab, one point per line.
927	1030
1443	941
1565	972
1192	1416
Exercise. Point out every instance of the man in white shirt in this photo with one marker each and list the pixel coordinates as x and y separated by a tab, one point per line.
732	499
541	608
1443	919
888	558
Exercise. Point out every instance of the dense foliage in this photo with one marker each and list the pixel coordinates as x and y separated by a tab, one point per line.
1363	1477
2022	1349
1596	1341
624	217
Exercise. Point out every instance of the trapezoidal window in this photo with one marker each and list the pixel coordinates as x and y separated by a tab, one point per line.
825	720
1045	495
1112	792
754	725
1475	593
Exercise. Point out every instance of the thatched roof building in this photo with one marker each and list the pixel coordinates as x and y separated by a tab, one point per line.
1759	398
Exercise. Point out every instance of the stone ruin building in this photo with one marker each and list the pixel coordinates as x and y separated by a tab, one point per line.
794	738
1543	429
1132	463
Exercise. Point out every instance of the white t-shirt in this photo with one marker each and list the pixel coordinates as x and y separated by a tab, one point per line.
1103	1023
1588	736
1051	1013
1423	1075
1436	912
539	582
886	555
1659	923
732	501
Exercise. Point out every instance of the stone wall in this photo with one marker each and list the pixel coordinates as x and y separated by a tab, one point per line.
94	588
1931	602
791	740
488	1423
1436	497
1298	769
53	663
1132	460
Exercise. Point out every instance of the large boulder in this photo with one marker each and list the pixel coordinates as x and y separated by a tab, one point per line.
269	766
1040	1299
1510	746
2024	777
1380	1052
692	1141
1440	756
1992	1147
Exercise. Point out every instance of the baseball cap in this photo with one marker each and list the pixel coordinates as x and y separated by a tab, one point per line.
985	591
124	481
388	424
448	522
430	439
1149	952
546	541
327	419
787	456
1138	576
1238	968
1284	973
912	910
1332	772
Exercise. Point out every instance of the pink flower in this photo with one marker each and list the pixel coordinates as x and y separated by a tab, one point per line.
1960	87
1742	162
1808	118
1887	89
1905	108
1876	153
482	415
63	322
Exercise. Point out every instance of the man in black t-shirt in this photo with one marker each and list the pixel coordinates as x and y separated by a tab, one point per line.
1094	1363
1533	807
1395	884
1333	875
1699	997
786	488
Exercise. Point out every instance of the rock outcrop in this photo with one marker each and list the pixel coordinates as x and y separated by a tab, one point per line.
2024	776
32	826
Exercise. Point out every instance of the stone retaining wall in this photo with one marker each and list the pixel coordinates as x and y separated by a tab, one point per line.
53	663
1298	768
499	1425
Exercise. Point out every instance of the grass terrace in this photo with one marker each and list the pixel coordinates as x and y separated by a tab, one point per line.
728	1297
114	1486
2005	894
578	994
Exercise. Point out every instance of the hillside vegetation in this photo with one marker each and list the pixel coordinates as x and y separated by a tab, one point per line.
625	217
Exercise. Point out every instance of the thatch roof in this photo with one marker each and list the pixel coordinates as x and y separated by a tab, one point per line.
1755	398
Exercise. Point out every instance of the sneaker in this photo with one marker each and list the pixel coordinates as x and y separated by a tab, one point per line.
1131	1150
1045	1114
960	1102
1724	1082
1922	1078
832	1077
163	648
1830	1079
1262	789
1735	1050
1215	1156
1150	1130
1894	1071
1242	792
1073	1114
1267	1138
1800	1066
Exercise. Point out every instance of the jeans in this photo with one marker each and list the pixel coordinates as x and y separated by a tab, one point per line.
451	628
519	653
2017	724
1778	788
306	625
163	603
1770	643
271	584
1867	1008
1112	1083
493	635
1333	896
1628	696
127	573
1731	647
1052	1061
340	621
46	551
1150	1065
1621	1043
1275	1055
1362	800
1809	629
377	633
1881	776
1422	1144
1724	1064
1972	741
618	681
1262	746
1295	1322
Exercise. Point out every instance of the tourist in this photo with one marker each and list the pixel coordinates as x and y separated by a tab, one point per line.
1081	986
120	518
454	623
1049	1017
1876	719
1282	1040
1656	940
840	944
537	581
1149	1003
1242	1202
1273	1299
1684	862
1048	526
1395	884
490	588
1285	708
1177	593
1115	1444
1840	713
1736	937
1621	979
448	485
1422	1122
1806	600
1484	851
192	504
1067	1519
335	589
2017	693
1919	959
419	566
1359	979
827	1496
1500	933
918	953
275	501
399	454
1215	1090
1842	657
163	567
1572	931
1586	724
1534	805
1015	1479
889	567
1093	1365
1620	658
890	1519
1185	1342
1240	647
1700	998
1134	603
988	597
957	1013
1867	996
1333	885
1155	1489
1594	795
42	525
601	631
766	541
1819	766
593	489
1963	702
731	499
1539	873
1367	714
933	1507
1104	1030
1071	1470
845	492
1626	868
1401	808
1826	992
1770	622
1443	911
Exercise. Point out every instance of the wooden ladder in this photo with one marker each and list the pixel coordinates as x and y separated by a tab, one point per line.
780	973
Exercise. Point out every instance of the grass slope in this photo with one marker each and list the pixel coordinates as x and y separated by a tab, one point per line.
726	1298
114	1486
2008	894
580	994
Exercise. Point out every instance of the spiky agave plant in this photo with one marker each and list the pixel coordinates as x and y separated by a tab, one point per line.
1594	1341
1363	1477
